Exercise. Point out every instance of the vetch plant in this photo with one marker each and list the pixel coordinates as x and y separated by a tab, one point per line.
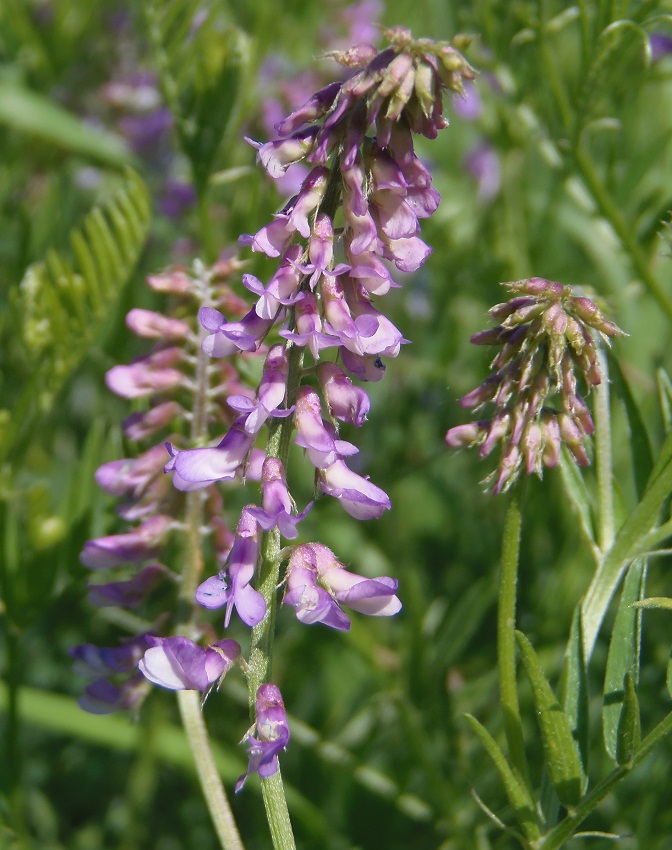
355	218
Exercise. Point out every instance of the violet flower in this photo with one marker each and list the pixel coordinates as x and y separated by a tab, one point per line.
269	735
177	663
278	507
197	468
231	587
318	584
138	545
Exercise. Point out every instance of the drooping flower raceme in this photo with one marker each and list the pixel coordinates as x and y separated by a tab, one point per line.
314	331
548	338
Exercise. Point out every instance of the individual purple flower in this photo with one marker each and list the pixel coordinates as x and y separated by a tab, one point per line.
483	164
270	394
177	198
148	375
142	543
177	663
278	507
131	476
152	325
104	697
345	401
321	445
269	735
318	584
231	587
96	661
373	596
129	593
308	327
358	496
282	289
227	338
197	468
139	426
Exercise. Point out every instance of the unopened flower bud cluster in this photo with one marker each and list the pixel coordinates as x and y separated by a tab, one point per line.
548	339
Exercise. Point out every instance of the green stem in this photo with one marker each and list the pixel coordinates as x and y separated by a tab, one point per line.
506	640
627	545
205	225
555	839
603	458
215	797
625	232
189	701
261	649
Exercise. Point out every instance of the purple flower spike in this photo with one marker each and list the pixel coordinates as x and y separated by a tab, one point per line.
231	587
139	426
196	468
138	545
272	734
179	664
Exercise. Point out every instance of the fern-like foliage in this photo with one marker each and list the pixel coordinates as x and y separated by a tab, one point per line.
63	301
201	59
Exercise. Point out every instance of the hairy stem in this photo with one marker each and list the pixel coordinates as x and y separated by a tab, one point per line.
506	641
189	701
603	458
215	797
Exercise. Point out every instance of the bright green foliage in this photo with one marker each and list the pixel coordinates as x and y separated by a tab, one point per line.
202	58
63	303
561	754
580	124
624	659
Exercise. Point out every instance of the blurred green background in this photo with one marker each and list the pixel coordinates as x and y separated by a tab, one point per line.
563	170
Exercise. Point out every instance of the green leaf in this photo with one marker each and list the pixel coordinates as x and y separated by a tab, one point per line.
630	542
668	678
63	304
622	50
654	602
575	488
665	393
629	725
202	60
28	112
521	803
575	696
640	445
560	750
624	651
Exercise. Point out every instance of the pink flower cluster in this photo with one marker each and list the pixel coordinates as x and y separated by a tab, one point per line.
547	336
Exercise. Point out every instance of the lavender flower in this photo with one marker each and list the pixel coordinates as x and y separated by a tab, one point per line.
177	663
547	337
269	735
231	587
318	584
